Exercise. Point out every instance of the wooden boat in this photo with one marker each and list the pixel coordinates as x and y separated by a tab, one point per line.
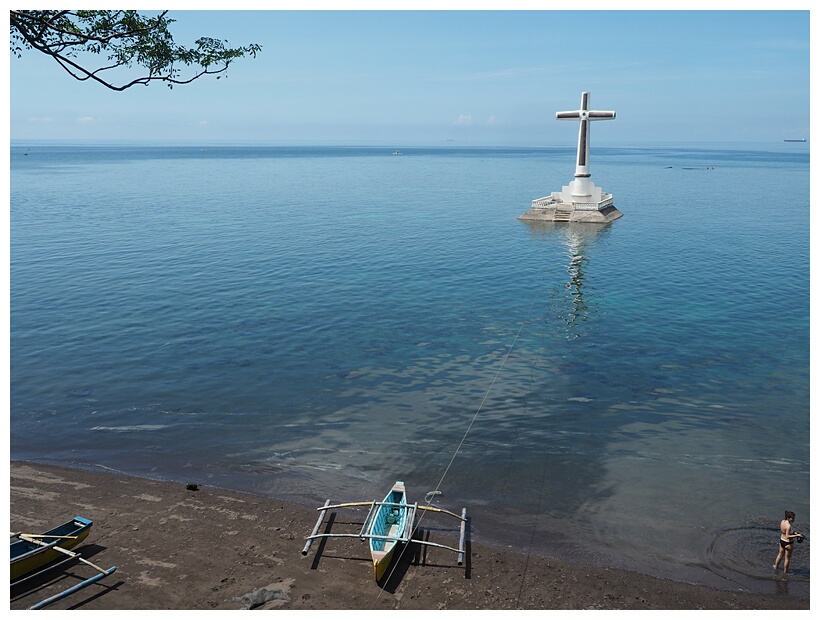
34	554
31	552
388	523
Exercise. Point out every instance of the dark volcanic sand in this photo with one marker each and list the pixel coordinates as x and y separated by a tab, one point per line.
206	549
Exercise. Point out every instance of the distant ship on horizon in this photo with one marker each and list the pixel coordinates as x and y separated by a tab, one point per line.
795	140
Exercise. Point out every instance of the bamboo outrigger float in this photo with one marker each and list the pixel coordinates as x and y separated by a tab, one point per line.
387	524
34	554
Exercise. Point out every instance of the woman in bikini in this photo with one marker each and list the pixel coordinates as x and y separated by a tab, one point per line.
786	542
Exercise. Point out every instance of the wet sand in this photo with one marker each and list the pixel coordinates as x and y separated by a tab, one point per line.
180	549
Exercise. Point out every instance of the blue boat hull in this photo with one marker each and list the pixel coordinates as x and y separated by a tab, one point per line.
388	528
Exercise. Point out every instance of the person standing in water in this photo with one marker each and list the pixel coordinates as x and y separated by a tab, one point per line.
787	536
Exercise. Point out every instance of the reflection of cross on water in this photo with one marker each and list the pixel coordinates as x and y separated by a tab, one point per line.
585	115
582	308
572	302
575	246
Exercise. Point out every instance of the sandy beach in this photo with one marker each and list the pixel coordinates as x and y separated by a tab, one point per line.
181	549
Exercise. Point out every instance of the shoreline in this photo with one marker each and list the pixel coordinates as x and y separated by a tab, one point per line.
214	548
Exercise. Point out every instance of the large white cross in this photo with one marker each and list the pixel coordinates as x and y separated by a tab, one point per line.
584	115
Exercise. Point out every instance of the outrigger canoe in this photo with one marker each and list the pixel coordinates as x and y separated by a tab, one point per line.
31	552
34	554
388	523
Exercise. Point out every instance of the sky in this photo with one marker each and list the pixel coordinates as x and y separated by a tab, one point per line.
442	77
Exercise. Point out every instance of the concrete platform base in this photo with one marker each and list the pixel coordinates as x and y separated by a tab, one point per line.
562	212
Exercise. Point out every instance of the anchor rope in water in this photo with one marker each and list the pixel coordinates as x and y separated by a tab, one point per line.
483	400
525	571
437	491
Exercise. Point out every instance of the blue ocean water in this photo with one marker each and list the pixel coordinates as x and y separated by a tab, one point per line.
316	322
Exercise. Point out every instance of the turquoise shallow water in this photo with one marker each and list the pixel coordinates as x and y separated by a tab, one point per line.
313	322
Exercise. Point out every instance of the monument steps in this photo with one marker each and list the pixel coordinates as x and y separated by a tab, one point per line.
562	214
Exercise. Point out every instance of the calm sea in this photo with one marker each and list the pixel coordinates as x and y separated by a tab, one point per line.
318	322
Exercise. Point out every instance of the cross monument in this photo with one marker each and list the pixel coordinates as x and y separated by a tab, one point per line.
581	200
585	115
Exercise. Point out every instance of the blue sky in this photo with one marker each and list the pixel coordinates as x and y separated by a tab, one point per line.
428	77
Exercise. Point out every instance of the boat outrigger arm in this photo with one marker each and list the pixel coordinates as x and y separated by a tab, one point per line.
402	537
34	538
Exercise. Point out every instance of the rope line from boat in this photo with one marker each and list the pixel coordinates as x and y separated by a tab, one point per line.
428	499
437	490
483	401
543	479
532	537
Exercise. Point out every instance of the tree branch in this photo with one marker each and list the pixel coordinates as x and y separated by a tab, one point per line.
129	39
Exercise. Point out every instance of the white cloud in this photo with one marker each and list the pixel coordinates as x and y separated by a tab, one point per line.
40	119
491	120
464	120
85	120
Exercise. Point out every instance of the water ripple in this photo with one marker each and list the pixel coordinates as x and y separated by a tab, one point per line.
290	321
